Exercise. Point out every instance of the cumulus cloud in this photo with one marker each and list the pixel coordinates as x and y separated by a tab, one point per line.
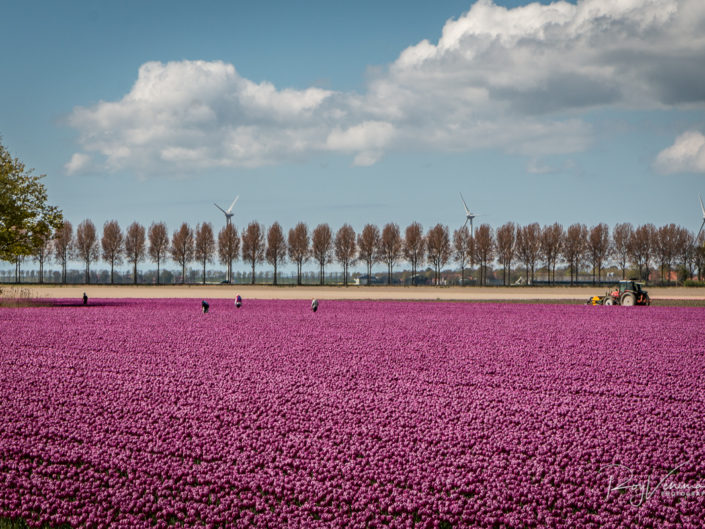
510	79
79	162
686	155
368	139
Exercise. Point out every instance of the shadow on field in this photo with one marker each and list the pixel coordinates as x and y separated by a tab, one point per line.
79	303
61	303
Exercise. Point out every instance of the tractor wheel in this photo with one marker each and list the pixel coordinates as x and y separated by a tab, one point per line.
628	300
608	301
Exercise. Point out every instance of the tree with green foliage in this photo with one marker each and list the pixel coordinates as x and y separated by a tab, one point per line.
26	220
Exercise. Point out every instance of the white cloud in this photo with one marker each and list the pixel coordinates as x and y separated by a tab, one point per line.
366	135
511	79
368	139
686	155
79	162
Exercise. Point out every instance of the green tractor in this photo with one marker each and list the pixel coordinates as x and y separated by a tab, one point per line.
628	293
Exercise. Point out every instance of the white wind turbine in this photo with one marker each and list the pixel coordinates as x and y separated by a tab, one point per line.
469	215
228	213
702	208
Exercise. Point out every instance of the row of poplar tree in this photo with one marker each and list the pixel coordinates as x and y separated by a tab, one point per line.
578	247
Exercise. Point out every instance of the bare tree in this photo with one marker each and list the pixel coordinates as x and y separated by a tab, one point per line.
253	245
112	243
322	247
574	247
135	247
17	259
621	236
551	246
299	251
528	246
182	248
390	247
87	247
345	248
464	248
276	247
666	238
158	243
205	246
598	247
506	239
228	247
63	246
414	247
641	248
685	250
368	247
484	249
699	255
438	248
42	253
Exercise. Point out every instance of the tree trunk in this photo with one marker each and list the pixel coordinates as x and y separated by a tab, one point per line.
275	273
157	270
88	273
204	271
253	271
183	272
134	272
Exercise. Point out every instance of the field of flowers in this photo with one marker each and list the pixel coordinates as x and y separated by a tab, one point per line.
140	413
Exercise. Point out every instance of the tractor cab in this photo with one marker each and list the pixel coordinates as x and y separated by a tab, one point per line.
629	286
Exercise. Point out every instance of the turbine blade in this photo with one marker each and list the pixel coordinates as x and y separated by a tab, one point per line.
466	222
701	205
464	204
221	209
701	229
233	204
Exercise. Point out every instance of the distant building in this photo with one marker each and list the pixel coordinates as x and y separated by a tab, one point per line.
367	280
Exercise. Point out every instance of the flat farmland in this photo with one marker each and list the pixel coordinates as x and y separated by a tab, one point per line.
149	413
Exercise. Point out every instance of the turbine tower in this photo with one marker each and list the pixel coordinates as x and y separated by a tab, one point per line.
469	215
702	208
228	213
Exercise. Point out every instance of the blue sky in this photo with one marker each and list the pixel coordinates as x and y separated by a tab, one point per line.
361	111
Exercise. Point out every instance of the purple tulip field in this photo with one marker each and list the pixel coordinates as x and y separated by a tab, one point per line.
137	413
